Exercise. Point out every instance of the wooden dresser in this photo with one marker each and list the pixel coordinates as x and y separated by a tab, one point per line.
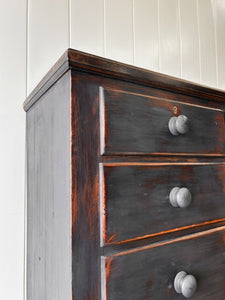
125	185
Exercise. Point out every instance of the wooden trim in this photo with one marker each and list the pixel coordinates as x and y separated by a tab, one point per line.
159	159
55	73
149	242
73	59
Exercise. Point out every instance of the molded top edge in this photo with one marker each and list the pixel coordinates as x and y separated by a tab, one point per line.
77	60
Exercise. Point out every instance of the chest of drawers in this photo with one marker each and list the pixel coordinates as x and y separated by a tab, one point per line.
125	185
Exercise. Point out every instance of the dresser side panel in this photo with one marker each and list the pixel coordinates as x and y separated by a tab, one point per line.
48	195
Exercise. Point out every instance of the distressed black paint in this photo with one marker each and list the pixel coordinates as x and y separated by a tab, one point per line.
149	274
137	198
137	124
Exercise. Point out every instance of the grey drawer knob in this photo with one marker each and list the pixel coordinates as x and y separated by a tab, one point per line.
178	125
185	284
180	197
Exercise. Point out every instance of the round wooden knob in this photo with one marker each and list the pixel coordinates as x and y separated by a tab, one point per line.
185	284
180	197
178	125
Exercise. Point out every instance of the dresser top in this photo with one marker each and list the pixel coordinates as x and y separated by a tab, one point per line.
92	64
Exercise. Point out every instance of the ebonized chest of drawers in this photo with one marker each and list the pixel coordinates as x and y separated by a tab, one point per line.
125	185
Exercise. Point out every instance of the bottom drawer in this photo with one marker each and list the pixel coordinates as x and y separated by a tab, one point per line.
149	272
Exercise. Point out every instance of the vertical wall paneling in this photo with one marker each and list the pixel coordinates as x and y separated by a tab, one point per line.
146	36
12	131
25	226
219	17
119	30
207	43
87	21
48	34
169	42
190	59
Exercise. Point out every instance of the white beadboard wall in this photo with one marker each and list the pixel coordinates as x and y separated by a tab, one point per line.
12	149
183	38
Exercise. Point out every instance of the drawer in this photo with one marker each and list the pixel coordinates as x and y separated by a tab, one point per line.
149	272
135	198
137	124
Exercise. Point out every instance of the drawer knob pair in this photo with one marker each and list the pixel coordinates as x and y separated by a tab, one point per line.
178	125
180	197
185	284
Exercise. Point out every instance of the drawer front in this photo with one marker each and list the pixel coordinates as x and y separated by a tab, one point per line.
136	124
135	198
149	273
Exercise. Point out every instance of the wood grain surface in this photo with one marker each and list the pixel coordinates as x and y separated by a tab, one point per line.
148	272
136	124
135	198
48	195
85	188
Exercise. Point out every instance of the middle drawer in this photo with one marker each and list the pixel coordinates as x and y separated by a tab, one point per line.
136	199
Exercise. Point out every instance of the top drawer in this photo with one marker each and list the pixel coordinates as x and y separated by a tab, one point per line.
137	124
